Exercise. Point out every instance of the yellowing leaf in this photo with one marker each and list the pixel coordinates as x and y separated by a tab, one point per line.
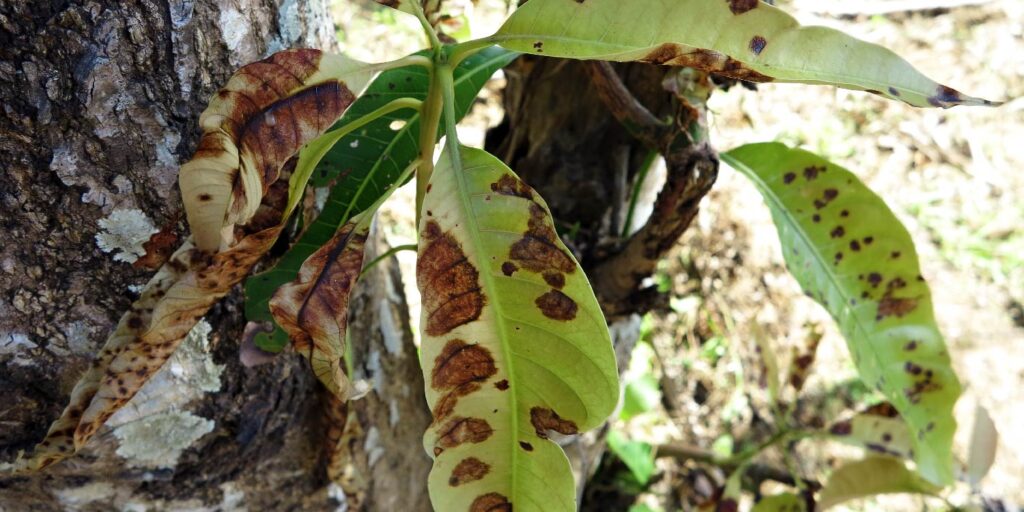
515	346
265	113
868	477
744	39
851	254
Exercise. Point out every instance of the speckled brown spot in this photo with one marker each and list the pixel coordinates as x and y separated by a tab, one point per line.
491	502
544	419
468	470
448	282
557	305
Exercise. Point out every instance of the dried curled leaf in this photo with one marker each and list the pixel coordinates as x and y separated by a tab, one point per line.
263	115
313	309
744	39
514	343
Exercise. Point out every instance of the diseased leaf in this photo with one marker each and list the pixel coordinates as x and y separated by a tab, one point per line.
879	429
803	359
744	39
868	477
313	309
253	125
786	502
363	165
850	253
515	346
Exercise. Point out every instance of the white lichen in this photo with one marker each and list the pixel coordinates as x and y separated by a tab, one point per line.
187	375
320	195
157	441
77	497
393	413
372	447
335	492
234	27
123	232
16	344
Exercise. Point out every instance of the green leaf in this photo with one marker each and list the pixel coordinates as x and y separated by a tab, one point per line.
869	477
786	502
851	254
363	165
637	456
515	346
879	429
642	391
743	39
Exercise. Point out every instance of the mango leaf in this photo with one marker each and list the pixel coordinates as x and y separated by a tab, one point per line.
850	253
363	165
744	39
870	477
879	429
257	121
786	502
515	347
729	501
637	456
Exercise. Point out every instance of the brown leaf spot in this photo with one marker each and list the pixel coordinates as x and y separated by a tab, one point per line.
741	6
894	91
838	232
557	305
854	245
789	177
895	306
554	279
468	470
464	430
705	60
491	502
448	282
757	44
509	185
538	250
461	363
727	505
544	419
502	385
842	428
811	173
945	97
508	268
526	446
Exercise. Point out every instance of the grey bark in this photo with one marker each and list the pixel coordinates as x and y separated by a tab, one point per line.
100	104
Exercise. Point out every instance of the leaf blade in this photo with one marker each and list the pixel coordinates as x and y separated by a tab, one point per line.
743	39
868	477
503	303
850	253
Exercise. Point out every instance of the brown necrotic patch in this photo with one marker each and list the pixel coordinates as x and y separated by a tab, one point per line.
511	186
538	250
468	470
491	502
544	419
463	430
461	363
448	282
502	385
705	60
557	306
741	6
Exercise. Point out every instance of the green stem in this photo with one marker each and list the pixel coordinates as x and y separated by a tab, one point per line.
387	254
408	60
428	29
430	118
461	51
446	81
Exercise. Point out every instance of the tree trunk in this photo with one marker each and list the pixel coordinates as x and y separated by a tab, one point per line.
101	103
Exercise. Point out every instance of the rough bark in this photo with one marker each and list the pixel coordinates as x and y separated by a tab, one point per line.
100	104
